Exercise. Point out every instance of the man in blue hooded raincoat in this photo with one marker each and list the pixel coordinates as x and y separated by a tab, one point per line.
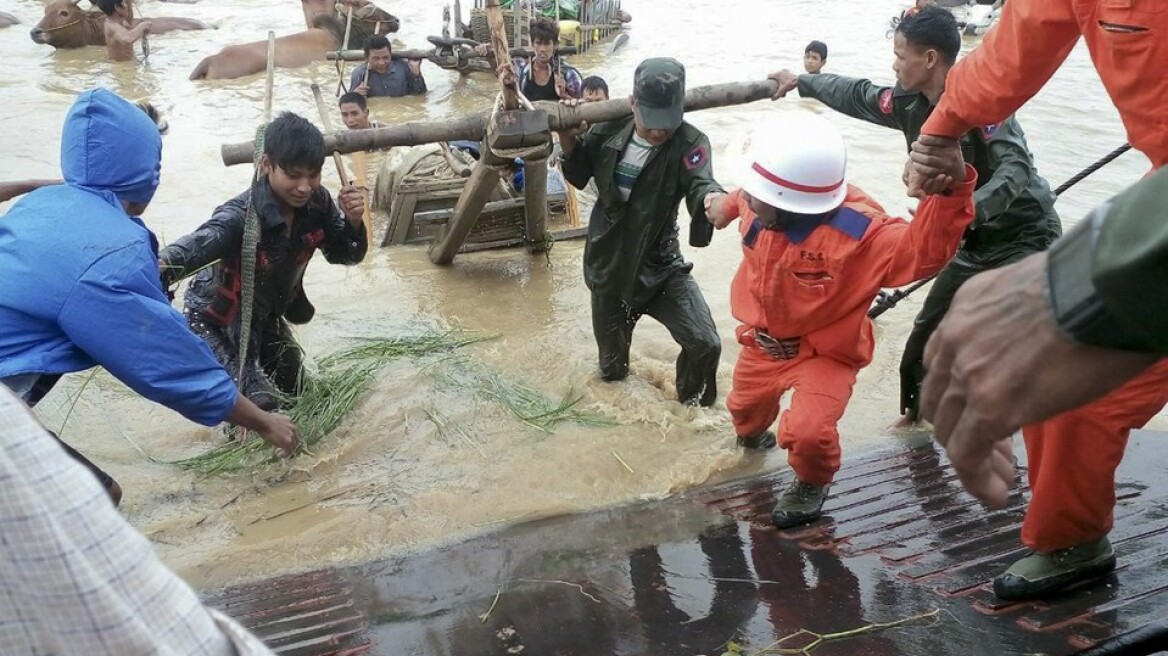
81	288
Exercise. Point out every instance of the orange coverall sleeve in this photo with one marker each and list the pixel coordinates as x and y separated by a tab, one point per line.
911	251
1014	61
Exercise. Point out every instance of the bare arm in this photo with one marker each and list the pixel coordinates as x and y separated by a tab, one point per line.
10	190
115	33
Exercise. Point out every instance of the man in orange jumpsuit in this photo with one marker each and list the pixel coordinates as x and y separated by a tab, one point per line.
1072	456
816	251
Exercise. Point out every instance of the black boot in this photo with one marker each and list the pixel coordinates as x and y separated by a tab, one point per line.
763	441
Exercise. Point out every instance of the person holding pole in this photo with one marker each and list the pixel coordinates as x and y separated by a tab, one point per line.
297	217
644	165
382	75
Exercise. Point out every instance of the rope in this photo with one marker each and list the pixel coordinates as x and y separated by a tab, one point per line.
251	221
61	27
509	154
885	301
247	262
1078	177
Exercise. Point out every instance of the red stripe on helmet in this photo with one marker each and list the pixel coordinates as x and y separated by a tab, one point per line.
795	186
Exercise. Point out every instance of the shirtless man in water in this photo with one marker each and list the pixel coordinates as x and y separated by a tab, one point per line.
120	30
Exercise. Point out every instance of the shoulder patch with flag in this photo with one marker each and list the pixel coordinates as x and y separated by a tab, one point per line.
886	101
696	158
988	131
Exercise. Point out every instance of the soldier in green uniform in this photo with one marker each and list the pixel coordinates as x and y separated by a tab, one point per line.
1014	205
644	166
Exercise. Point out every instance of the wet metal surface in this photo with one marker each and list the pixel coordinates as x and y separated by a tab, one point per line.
689	574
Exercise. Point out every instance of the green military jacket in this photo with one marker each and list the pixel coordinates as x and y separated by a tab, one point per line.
1108	278
1014	206
633	247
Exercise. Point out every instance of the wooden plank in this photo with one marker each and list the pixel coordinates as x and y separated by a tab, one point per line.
490	209
478	189
535	174
562	235
404	211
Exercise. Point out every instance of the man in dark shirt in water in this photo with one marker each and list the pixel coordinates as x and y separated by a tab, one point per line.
545	76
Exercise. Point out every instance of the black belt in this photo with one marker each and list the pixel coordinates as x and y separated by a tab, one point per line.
781	349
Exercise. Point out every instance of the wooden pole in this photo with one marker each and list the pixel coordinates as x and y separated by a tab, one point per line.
458	167
474	127
271	77
470	204
535	175
417	53
344	46
324	119
360	165
499	43
483	178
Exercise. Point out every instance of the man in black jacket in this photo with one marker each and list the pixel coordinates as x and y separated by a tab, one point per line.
296	217
644	166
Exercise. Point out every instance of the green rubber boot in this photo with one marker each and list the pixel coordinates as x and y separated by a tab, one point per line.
1039	575
800	503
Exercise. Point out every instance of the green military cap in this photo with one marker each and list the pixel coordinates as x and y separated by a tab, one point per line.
659	89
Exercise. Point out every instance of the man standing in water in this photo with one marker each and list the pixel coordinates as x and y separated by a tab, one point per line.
297	217
644	166
355	112
544	76
1015	206
382	75
120	31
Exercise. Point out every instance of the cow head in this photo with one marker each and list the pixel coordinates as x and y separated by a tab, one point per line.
66	25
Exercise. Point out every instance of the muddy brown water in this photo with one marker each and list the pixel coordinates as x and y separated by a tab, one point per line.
404	485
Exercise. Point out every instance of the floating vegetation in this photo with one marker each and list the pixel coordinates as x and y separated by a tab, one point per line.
528	404
336	388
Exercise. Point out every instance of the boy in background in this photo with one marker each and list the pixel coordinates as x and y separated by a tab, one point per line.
815	57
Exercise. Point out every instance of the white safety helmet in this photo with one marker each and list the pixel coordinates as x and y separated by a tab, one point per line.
797	162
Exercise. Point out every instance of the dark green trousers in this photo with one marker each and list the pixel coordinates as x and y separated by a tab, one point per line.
682	309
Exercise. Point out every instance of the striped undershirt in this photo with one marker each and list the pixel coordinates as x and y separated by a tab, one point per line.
630	165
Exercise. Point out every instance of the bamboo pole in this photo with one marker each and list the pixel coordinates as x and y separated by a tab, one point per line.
344	45
360	164
324	119
417	53
474	127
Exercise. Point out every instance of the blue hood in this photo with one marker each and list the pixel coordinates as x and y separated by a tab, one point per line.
108	144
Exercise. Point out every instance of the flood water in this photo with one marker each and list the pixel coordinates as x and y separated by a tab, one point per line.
395	483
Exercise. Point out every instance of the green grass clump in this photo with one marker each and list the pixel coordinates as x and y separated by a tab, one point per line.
528	404
336	388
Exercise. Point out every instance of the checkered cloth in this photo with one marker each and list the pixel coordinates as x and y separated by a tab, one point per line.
75	578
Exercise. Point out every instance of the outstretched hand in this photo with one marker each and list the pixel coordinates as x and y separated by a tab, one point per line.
787	80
